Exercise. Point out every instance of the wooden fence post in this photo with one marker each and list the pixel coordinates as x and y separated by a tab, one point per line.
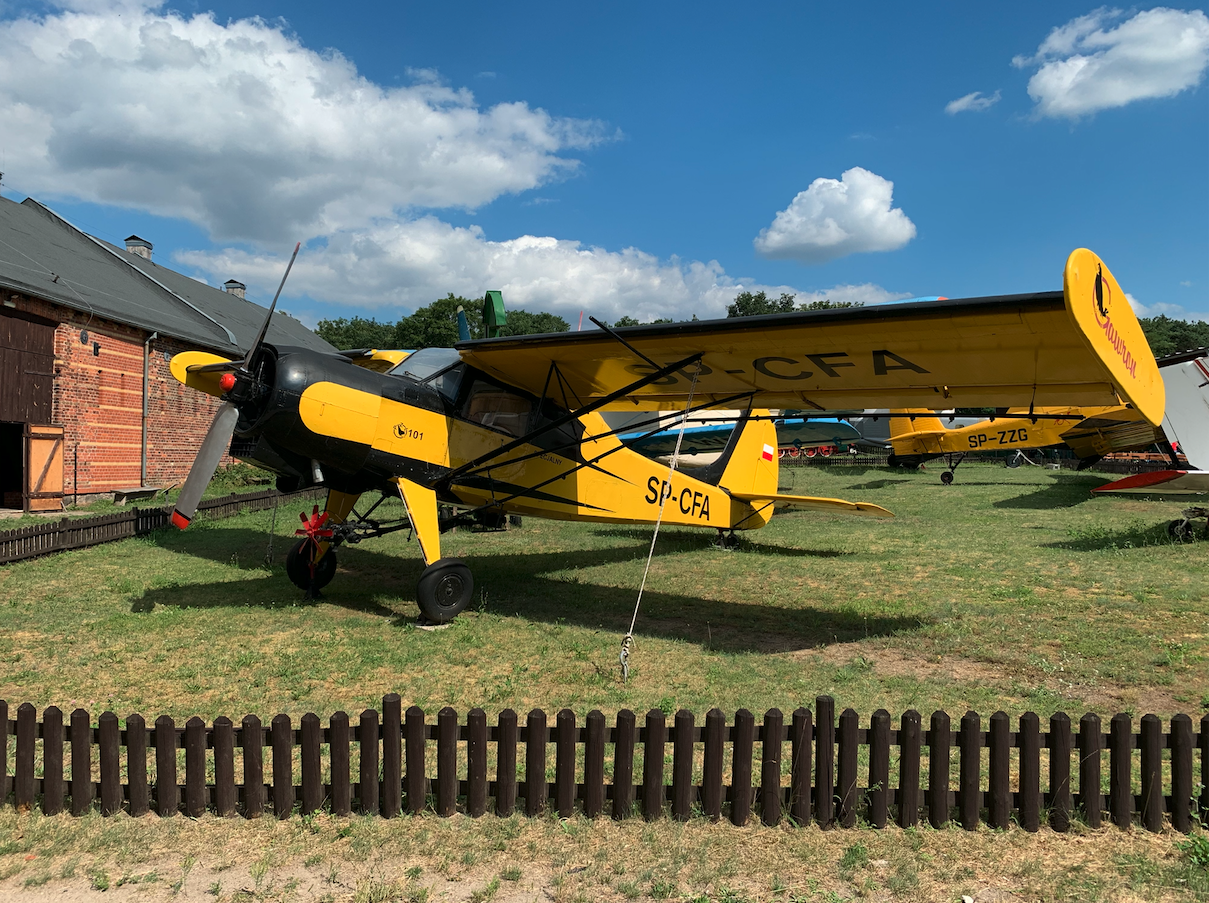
1090	744
447	762
999	812
195	767
824	758
1152	773
536	790
224	767
849	749
251	738
770	768
283	766
969	793
136	765
109	741
476	763
339	738
367	776
417	759
392	754
564	763
1181	773
1120	762
23	766
81	762
682	765
799	769
652	764
940	746
910	737
1029	743
312	765
1059	772
879	768
1204	744
167	793
623	764
505	763
743	740
52	760
594	791
711	775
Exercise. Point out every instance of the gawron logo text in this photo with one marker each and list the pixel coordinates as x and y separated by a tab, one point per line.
1103	300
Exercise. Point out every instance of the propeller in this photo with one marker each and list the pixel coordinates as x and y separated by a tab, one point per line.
218	437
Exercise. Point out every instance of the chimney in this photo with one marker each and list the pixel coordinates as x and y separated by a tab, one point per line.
136	245
231	287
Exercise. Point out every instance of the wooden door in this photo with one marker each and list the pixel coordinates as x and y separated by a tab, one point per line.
43	468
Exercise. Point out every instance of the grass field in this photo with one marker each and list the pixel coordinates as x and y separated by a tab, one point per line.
1012	589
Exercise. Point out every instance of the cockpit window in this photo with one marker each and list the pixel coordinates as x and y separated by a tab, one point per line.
420	365
441	368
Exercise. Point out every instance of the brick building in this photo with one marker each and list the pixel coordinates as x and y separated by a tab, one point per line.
87	403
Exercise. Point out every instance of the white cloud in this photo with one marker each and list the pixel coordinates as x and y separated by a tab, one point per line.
397	266
1175	311
833	218
976	102
241	129
1084	68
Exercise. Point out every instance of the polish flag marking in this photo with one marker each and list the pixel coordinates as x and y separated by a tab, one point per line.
769	452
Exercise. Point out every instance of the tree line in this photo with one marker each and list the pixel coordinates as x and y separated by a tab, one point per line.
437	324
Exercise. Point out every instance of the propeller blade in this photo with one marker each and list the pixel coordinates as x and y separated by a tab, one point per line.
265	327
218	438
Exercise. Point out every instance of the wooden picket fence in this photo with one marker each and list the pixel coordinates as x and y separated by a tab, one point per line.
821	782
78	532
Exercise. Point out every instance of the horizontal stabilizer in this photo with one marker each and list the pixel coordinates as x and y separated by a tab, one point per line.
838	506
1161	482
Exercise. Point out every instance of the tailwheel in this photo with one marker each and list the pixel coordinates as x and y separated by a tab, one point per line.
1181	530
299	564
946	477
445	589
728	540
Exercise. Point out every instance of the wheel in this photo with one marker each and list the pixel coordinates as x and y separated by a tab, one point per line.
1181	530
946	477
1013	461
445	589
298	566
892	461
811	452
826	451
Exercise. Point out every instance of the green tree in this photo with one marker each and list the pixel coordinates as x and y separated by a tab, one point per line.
828	304
357	332
436	326
521	322
747	304
626	321
1167	336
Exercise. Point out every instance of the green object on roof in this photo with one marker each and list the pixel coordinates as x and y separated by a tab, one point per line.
494	315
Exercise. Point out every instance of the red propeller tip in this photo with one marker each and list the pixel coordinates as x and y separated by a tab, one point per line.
179	520
226	382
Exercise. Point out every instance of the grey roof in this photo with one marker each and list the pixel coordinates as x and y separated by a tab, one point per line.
93	276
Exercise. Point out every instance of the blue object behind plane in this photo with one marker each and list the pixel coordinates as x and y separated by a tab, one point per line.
699	440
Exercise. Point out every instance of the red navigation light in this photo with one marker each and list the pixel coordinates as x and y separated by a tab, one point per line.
226	382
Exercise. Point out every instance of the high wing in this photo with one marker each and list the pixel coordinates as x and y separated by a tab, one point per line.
1081	346
1118	429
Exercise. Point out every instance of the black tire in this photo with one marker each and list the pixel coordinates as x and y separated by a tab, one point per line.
946	477
892	461
1181	531
445	589
1013	461
298	566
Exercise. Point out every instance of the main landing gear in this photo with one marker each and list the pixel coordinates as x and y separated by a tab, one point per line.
1184	530
952	460
445	589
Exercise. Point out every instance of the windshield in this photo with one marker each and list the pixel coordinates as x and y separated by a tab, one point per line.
420	365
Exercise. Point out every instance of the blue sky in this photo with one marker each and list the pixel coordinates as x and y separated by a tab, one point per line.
641	159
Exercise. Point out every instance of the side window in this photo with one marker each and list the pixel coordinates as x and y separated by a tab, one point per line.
497	408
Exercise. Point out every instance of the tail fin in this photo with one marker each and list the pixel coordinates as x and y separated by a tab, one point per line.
921	420
751	468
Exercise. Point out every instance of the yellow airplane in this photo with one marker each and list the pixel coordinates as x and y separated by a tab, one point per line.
513	425
918	435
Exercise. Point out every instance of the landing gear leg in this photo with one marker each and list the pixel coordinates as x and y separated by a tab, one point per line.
953	461
727	540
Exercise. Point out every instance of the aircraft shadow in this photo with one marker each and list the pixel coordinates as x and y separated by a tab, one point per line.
1098	540
1065	491
877	484
672	541
522	585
